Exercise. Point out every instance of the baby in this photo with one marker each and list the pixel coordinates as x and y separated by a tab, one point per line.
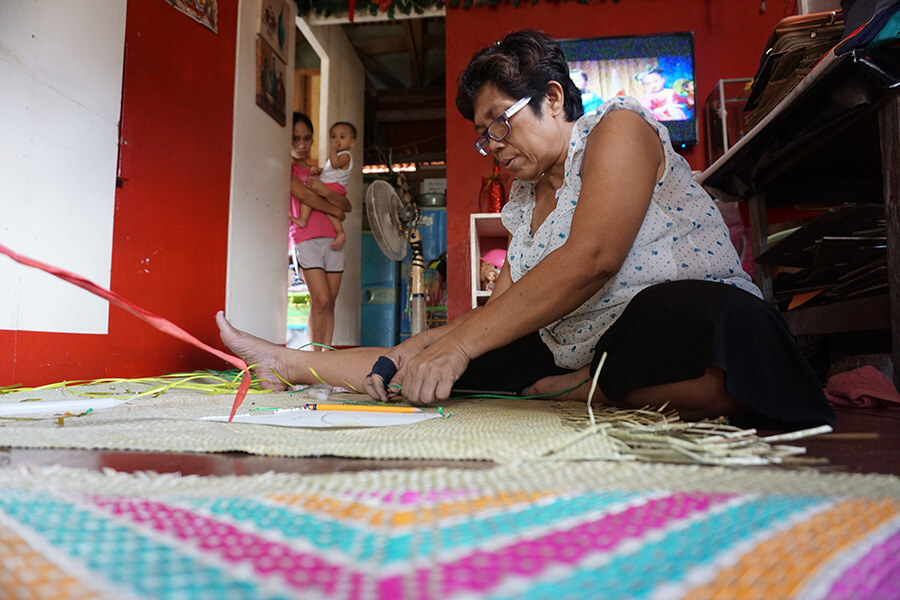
335	175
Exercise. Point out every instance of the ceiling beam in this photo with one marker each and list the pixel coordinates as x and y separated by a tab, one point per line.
417	157
410	95
366	17
397	44
413	30
410	114
371	90
437	80
380	71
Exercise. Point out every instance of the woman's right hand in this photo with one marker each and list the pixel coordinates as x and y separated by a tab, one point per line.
400	355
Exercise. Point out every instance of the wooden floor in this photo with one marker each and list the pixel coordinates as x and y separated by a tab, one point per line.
864	441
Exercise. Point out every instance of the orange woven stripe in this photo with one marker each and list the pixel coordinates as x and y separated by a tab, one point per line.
777	567
464	507
26	574
381	516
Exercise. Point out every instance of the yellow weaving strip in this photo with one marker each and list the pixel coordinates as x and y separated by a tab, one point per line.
26	573
778	566
158	385
377	516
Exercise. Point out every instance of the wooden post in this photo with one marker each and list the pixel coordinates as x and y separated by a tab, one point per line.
759	235
889	126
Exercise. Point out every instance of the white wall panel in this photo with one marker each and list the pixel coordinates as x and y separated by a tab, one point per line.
256	288
79	51
61	68
72	229
14	95
343	99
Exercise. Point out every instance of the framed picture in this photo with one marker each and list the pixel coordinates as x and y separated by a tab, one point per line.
271	94
274	21
205	12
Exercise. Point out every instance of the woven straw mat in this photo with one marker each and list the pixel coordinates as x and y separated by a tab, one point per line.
479	429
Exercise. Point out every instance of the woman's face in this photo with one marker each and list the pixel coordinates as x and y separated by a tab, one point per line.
301	142
525	152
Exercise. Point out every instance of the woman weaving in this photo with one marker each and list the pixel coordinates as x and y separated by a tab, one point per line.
613	249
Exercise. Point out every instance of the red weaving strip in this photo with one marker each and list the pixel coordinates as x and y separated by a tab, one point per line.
153	320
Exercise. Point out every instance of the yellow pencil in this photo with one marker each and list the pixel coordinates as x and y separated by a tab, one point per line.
362	408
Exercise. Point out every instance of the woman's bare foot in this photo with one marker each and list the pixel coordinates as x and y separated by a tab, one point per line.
339	240
550	387
269	358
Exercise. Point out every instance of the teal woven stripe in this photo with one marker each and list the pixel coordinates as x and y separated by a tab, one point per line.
122	555
360	541
321	533
639	573
514	523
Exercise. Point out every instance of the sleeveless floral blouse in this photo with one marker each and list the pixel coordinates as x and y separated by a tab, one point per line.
683	236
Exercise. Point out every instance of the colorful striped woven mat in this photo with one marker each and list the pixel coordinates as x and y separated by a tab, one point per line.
526	532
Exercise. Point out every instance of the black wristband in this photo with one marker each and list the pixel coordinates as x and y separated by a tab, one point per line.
384	368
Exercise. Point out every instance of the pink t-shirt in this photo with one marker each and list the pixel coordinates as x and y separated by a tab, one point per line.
318	224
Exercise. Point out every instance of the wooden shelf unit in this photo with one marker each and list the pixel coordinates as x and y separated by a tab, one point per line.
833	139
486	232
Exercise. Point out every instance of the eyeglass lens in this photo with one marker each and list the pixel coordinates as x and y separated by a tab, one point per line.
498	129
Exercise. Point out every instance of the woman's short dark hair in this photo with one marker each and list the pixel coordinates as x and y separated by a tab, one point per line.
521	64
299	117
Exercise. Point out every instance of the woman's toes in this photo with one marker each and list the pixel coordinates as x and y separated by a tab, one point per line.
256	352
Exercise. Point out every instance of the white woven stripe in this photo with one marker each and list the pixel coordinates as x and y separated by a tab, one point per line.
532	477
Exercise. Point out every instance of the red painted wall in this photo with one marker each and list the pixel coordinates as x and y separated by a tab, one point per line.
171	220
729	38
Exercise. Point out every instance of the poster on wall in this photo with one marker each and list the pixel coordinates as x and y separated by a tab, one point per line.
274	17
271	94
205	12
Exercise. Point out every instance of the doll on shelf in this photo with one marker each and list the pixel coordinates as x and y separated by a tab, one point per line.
491	263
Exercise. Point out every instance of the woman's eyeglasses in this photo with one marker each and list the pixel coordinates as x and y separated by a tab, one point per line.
498	129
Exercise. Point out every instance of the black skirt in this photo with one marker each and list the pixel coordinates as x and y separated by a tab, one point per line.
673	332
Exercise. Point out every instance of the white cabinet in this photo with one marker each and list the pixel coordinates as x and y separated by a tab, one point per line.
486	232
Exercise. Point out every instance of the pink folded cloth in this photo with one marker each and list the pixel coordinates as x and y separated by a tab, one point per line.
865	387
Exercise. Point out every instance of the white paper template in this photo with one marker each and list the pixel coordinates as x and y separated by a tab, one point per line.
57	407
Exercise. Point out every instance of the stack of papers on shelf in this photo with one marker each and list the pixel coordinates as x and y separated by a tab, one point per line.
839	255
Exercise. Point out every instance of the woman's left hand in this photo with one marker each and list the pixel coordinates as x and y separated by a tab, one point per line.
430	375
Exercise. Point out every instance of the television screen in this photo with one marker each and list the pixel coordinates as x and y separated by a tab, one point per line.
656	69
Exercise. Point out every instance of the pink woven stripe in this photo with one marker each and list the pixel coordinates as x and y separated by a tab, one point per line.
298	570
482	571
876	575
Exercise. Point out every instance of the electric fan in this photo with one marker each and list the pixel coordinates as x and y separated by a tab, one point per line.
393	221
